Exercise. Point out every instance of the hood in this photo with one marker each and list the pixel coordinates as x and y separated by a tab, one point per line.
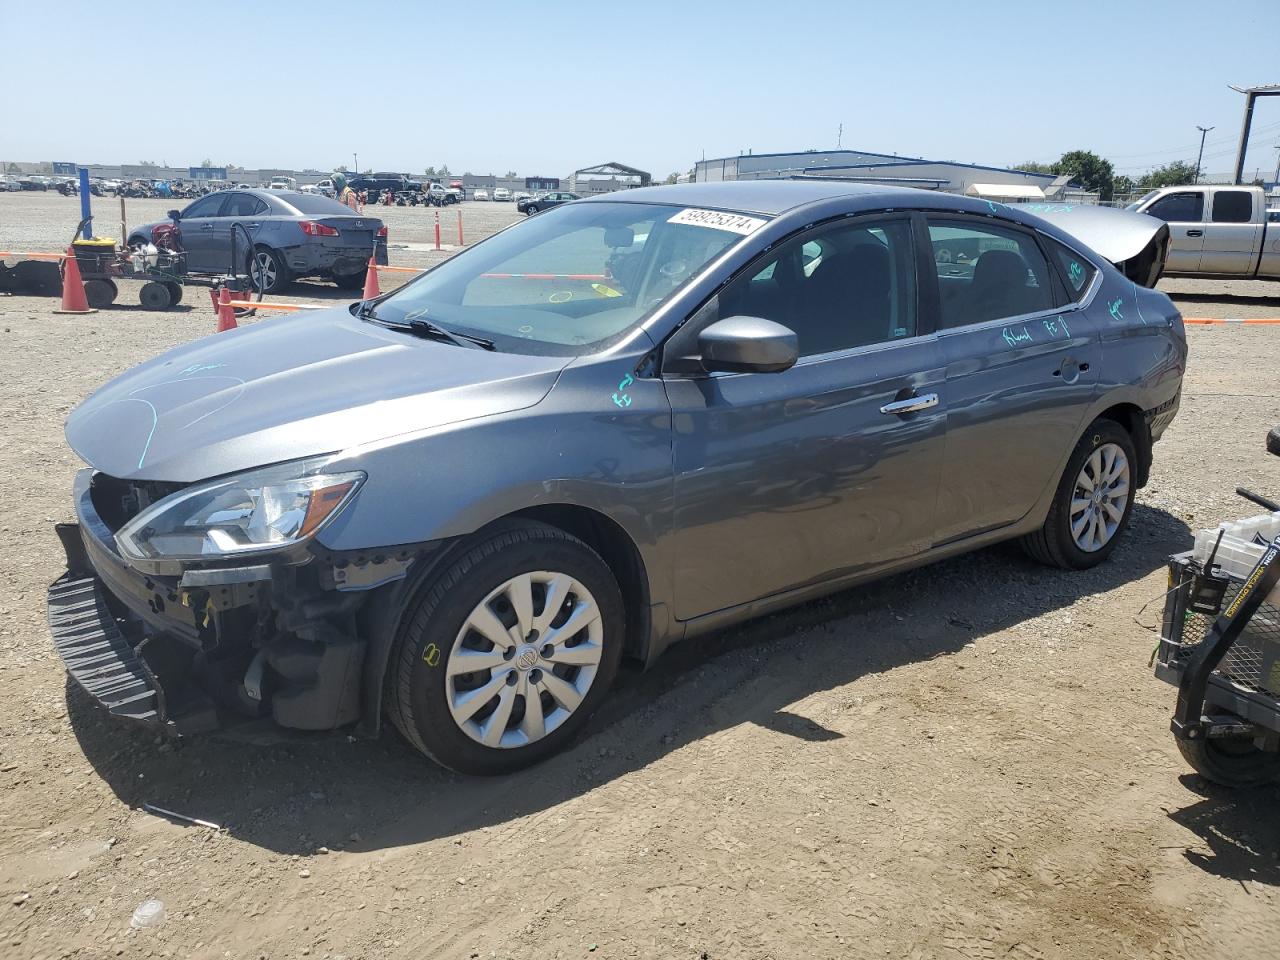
312	383
1116	235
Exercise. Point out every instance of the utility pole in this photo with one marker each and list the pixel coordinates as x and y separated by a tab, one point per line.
1277	177
839	136
1203	133
355	163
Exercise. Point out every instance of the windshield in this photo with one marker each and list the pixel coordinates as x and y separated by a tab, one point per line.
568	281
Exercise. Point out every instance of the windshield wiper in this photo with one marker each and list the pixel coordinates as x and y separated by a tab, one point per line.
433	331
425	329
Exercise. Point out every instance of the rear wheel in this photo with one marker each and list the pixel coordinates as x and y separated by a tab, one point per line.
507	651
530	210
1230	761
175	291
267	271
1091	507
154	296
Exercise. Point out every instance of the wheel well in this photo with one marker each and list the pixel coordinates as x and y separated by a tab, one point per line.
1134	421
617	549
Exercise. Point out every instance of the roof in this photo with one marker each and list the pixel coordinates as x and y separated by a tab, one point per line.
769	197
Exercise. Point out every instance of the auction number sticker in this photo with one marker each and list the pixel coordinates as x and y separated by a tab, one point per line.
719	220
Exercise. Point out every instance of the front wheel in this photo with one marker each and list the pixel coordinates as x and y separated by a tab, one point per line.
1091	506
507	651
1231	761
530	210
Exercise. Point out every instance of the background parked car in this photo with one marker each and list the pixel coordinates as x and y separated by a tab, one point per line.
545	201
294	235
480	194
502	193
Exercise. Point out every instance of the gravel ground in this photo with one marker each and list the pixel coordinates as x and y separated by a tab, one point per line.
970	760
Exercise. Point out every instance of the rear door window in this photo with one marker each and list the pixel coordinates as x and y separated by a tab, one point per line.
1232	206
1179	207
988	273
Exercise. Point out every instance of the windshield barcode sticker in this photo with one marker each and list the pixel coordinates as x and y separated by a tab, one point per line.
719	220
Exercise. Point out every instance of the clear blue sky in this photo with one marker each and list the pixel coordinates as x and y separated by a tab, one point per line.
545	87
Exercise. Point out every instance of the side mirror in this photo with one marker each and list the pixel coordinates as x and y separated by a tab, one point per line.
175	214
747	345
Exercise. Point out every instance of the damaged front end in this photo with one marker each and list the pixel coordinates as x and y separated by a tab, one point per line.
163	627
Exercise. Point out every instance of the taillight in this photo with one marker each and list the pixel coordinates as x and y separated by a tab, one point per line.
383	233
313	229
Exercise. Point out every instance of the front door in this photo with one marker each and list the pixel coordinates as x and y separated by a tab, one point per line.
197	226
1021	368
1184	212
793	478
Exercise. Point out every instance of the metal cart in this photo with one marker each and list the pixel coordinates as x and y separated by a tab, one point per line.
1220	646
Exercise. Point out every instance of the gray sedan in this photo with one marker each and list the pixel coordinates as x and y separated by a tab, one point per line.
609	428
291	235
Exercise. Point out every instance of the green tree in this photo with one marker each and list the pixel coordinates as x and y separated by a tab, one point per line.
206	162
1125	184
444	169
1089	170
341	168
672	178
512	173
1034	166
1174	174
430	171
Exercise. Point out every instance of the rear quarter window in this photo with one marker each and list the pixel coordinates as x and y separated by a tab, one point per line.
1077	272
1232	206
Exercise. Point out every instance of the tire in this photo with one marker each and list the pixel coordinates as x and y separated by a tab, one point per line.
350	281
1231	762
530	210
154	296
422	696
175	292
277	271
1055	544
100	293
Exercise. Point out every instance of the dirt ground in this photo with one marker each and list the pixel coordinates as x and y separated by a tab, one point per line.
972	760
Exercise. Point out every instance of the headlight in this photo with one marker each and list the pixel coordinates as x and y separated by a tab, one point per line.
255	512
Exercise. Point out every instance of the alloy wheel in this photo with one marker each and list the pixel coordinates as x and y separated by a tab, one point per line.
1100	497
264	270
524	659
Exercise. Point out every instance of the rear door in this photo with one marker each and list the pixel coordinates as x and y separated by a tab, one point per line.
1184	212
788	479
248	211
1021	361
1233	233
198	226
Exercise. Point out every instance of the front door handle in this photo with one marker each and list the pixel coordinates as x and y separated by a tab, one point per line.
206	226
1195	233
911	404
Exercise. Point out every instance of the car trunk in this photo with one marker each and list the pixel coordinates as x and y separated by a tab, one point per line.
352	231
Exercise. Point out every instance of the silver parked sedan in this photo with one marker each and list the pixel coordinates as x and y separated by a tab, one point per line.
290	234
612	427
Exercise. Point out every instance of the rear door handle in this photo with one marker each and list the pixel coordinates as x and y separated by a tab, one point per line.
1195	233
911	404
206	226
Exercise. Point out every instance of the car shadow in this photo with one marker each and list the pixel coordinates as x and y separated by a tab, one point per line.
1239	828
342	793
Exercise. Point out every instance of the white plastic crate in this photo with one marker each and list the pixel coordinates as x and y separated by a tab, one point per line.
1242	546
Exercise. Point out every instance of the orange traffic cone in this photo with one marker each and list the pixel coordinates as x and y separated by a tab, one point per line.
226	312
73	298
371	281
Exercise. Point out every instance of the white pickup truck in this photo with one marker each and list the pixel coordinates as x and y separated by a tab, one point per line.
1217	231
